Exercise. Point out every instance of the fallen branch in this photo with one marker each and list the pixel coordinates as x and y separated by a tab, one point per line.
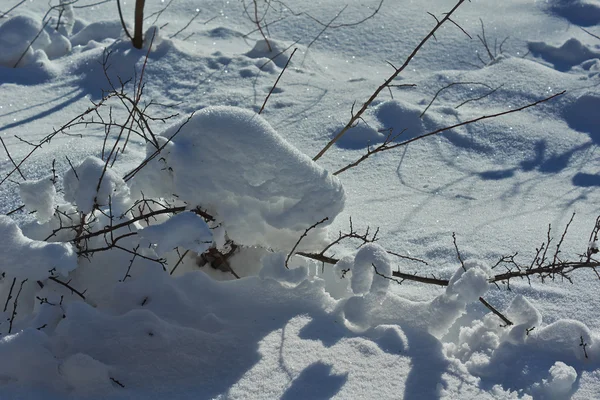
385	146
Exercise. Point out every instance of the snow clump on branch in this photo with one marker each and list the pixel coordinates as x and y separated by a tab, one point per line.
232	163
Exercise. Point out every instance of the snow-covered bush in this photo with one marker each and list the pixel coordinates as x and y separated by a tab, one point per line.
116	285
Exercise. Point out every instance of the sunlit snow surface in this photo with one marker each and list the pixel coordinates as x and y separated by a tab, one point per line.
310	331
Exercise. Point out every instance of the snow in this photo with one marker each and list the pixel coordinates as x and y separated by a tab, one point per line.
91	184
187	230
233	163
371	258
97	31
24	258
22	36
560	382
39	196
144	312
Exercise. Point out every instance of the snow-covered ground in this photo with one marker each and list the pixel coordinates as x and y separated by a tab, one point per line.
83	318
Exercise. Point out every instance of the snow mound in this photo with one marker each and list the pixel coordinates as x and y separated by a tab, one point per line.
81	185
524	316
272	49
21	37
98	32
31	259
582	115
85	374
187	230
38	195
435	317
393	118
469	283
16	36
231	162
359	137
399	116
25	352
559	384
571	53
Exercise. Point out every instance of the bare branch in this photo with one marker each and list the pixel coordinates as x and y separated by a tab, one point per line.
388	81
302	237
386	145
277	81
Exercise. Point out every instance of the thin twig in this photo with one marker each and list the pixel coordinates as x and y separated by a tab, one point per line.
302	237
277	81
12	8
9	294
68	286
386	145
356	117
123	20
11	159
15	305
458	252
179	262
186	25
507	321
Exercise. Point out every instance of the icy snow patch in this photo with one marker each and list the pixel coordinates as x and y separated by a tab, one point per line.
36	260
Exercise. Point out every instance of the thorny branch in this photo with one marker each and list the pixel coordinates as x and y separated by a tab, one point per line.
541	266
287	260
386	145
